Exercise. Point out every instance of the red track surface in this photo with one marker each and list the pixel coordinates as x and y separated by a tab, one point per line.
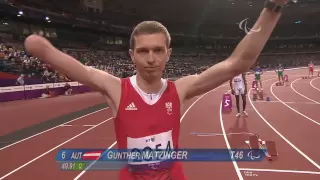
291	119
17	115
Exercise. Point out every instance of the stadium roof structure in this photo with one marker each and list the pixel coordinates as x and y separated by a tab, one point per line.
200	12
219	18
193	12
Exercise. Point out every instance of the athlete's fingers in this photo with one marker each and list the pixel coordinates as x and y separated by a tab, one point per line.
37	46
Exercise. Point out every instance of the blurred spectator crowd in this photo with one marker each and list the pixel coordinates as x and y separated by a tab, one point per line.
14	60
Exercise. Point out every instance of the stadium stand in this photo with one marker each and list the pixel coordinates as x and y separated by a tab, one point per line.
108	51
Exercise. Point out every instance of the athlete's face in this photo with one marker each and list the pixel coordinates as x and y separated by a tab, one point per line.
150	54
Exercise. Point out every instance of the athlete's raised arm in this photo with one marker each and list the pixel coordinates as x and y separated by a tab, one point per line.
96	79
242	58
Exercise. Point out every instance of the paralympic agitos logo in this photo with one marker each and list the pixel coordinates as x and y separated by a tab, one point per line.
243	26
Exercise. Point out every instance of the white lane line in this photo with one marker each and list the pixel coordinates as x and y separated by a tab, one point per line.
284	138
47	152
291	107
236	167
279	170
313	85
227	142
51	128
291	85
260	101
77	125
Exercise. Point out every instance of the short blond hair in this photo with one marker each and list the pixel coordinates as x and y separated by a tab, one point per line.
149	27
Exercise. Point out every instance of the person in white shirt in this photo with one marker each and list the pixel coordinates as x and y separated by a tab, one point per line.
20	80
238	87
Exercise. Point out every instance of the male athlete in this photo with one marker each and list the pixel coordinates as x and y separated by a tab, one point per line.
145	106
311	68
279	70
239	87
257	74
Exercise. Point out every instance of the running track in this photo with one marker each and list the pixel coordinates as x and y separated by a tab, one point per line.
291	119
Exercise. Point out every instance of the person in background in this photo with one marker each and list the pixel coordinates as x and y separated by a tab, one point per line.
46	75
311	68
238	87
20	80
67	89
280	70
257	73
55	76
46	93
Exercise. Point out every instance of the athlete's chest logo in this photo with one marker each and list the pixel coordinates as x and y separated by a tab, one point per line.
169	107
131	107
